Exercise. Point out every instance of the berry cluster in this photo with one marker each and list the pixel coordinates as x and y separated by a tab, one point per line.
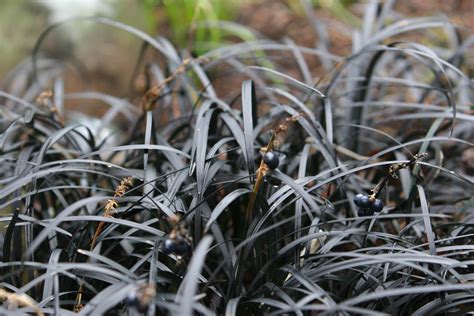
367	205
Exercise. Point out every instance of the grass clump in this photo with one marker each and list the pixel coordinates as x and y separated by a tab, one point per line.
92	211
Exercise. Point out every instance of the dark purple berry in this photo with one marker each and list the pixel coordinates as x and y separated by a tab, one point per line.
132	299
271	160
364	212
182	247
357	199
169	246
362	201
376	206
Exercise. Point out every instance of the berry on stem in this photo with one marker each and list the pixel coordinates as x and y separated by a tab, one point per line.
364	212
362	201
271	160
132	299
357	198
178	246
376	206
182	247
169	246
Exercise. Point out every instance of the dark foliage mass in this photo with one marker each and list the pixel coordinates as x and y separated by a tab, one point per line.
164	206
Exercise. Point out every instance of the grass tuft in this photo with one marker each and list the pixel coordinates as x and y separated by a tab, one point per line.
87	202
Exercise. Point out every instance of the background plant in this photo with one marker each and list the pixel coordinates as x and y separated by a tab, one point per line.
185	15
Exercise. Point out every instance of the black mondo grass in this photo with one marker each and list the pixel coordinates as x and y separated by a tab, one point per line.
360	203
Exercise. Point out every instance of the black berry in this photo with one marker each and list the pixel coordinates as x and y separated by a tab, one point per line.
182	247
132	299
376	206
362	201
169	246
357	198
364	212
271	160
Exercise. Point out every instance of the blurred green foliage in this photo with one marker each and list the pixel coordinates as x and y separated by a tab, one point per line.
186	16
339	9
21	22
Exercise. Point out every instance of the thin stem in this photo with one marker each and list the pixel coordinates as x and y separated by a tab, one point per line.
392	174
261	171
263	168
109	208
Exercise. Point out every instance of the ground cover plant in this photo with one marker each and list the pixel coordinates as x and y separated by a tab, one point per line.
243	181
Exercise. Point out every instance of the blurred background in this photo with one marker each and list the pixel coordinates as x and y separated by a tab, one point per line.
105	53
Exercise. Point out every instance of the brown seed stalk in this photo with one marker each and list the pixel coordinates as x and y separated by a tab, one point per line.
152	95
392	174
263	168
109	210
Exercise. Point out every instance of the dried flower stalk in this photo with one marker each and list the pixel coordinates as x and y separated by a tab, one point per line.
109	210
263	168
152	95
